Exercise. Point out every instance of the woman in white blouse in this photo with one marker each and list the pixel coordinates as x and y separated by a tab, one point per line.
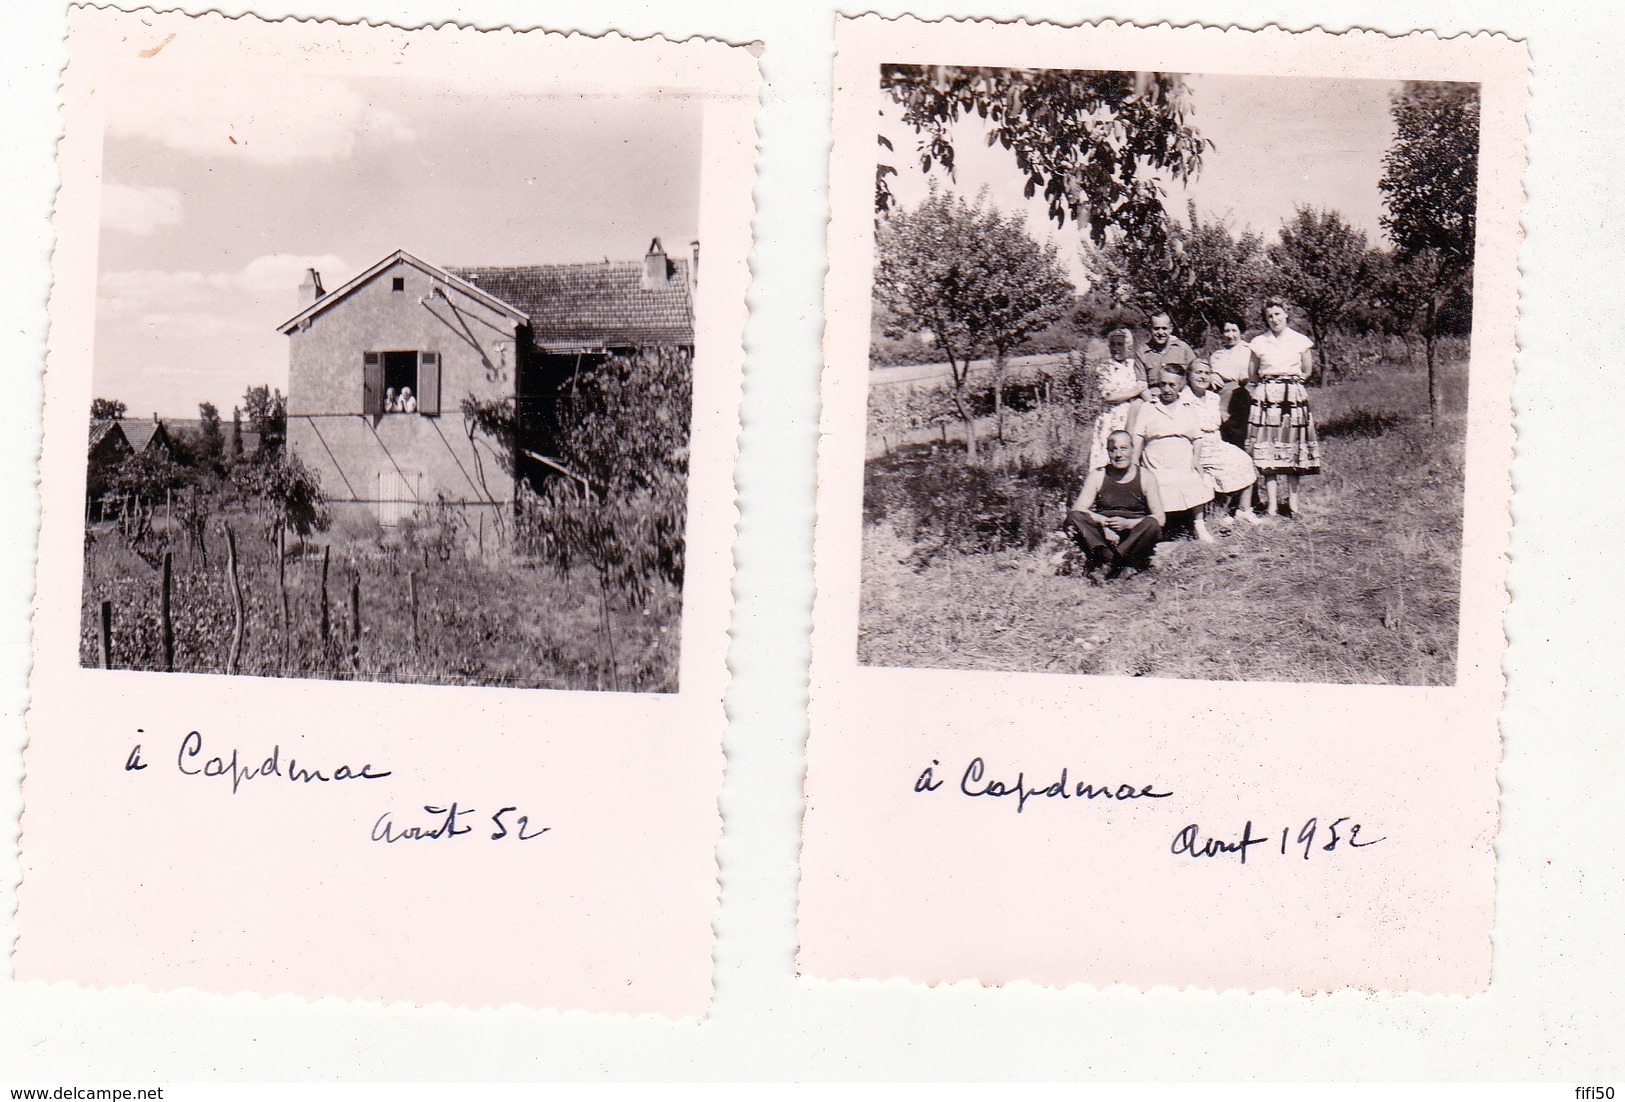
1230	366
1281	429
1119	380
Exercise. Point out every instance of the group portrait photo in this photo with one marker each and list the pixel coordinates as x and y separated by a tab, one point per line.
1168	374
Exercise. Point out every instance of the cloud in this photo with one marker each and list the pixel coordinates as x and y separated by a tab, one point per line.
263	118
140	210
258	296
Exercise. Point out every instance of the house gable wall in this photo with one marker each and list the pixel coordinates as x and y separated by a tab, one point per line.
360	458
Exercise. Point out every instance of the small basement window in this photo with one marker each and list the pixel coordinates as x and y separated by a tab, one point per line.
397	284
401	382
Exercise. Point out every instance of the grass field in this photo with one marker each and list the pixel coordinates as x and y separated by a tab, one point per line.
1363	588
478	622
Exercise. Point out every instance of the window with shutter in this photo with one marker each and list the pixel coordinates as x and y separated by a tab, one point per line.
429	383
372	384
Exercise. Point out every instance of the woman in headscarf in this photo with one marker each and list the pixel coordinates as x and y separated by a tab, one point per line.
1120	380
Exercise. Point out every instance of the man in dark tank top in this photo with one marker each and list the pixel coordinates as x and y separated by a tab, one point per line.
1118	517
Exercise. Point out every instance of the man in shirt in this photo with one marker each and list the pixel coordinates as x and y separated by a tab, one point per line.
1162	349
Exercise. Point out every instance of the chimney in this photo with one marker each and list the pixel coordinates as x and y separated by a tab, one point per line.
311	289
694	263
655	270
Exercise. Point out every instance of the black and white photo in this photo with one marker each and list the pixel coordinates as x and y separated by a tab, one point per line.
1261	287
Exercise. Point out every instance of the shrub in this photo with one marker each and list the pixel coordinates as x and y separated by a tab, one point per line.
931	497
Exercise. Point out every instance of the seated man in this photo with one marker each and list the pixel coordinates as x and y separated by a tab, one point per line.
1118	517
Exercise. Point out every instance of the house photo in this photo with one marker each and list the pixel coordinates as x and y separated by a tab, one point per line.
379	367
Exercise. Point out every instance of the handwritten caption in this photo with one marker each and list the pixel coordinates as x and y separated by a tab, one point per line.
978	782
450	821
1190	843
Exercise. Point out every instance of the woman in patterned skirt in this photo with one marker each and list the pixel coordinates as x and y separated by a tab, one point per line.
1281	429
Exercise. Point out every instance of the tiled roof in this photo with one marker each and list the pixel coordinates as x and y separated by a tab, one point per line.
139	431
99	429
594	305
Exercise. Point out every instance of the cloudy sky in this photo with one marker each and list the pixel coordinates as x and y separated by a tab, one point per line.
1277	142
215	200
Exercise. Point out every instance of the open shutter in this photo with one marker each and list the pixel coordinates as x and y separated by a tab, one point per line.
429	383
372	384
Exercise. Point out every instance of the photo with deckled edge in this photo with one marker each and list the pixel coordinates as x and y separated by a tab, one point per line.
1018	825
424	842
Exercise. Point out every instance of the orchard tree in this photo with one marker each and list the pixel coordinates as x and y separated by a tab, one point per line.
1094	144
1204	277
267	412
617	502
211	444
974	278
289	492
1320	265
1430	187
107	409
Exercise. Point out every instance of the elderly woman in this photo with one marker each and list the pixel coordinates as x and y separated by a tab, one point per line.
1120	380
1227	468
1165	430
1280	428
1230	366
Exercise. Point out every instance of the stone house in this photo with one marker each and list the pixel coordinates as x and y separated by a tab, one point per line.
379	368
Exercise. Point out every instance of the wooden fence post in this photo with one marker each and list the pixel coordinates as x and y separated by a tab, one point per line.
282	573
326	552
106	639
412	599
282	592
167	624
355	619
235	654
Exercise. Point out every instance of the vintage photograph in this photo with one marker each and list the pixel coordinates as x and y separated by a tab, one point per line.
392	381
1168	374
407	396
1163	506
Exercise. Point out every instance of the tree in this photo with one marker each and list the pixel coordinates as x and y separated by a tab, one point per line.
236	432
1430	187
616	499
290	491
974	278
267	413
1203	278
211	444
1096	144
107	409
1321	265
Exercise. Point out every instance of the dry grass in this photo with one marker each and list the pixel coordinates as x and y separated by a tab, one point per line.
1361	589
480	622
